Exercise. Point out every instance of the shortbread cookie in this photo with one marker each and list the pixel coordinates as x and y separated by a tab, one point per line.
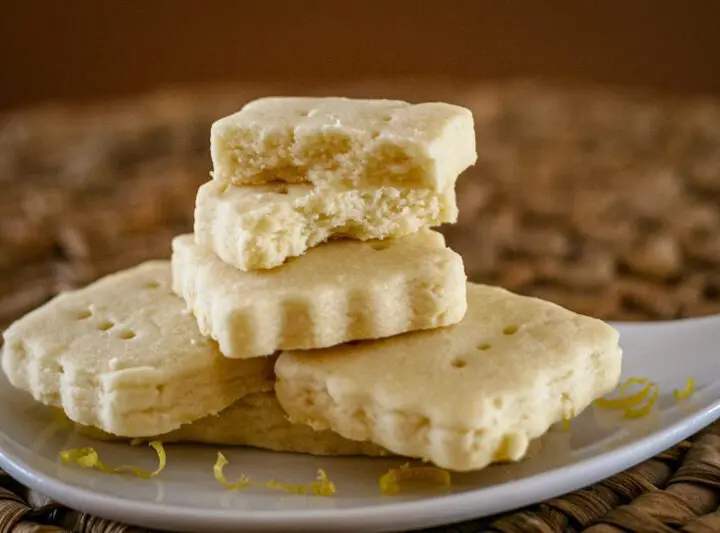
337	292
461	396
344	143
124	355
256	420
261	226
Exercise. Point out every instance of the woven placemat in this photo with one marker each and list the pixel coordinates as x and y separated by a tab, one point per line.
607	203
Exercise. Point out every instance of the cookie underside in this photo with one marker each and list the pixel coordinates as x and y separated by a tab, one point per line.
256	420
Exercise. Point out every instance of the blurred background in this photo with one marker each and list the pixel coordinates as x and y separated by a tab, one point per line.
87	50
598	128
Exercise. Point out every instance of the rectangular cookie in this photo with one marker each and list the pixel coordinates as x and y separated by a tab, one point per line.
255	420
344	143
124	355
338	292
462	396
260	227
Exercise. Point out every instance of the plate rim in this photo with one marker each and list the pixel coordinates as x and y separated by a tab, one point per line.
428	512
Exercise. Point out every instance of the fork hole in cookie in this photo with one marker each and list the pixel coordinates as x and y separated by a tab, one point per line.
510	330
82	315
483	346
387	118
105	325
127	334
459	363
152	284
497	403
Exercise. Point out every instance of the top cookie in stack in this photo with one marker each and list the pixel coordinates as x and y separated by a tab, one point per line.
349	190
291	173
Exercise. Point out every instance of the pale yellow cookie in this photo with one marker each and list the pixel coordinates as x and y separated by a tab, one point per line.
461	396
256	420
124	355
259	227
337	292
344	143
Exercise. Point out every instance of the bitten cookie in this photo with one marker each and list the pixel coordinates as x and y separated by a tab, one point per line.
344	143
256	420
123	355
337	292
461	396
259	227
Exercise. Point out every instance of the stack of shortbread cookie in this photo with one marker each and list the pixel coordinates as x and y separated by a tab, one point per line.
314	309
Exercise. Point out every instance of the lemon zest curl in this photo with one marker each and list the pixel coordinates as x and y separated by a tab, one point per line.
89	458
321	487
635	405
241	483
686	392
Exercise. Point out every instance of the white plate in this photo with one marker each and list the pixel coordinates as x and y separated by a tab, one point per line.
186	496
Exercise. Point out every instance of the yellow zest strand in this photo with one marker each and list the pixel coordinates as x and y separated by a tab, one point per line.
88	458
390	483
634	405
322	487
686	392
241	483
624	402
643	410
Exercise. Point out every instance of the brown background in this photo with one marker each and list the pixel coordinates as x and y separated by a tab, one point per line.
81	49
